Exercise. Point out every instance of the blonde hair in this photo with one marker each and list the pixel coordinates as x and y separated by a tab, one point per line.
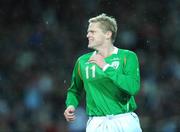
107	23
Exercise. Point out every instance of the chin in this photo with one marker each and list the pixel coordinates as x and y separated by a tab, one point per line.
90	46
94	47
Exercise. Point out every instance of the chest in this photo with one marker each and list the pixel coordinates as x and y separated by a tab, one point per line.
91	71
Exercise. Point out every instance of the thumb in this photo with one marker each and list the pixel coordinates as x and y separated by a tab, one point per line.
71	109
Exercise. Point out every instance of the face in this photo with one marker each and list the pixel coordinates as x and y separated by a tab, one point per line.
95	35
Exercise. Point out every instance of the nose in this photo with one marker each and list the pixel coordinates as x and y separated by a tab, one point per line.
89	34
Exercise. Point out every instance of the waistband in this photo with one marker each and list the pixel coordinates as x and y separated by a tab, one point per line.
114	116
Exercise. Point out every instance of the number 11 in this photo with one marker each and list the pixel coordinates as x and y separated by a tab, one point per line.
93	69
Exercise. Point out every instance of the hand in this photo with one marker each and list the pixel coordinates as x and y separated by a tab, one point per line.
98	59
69	113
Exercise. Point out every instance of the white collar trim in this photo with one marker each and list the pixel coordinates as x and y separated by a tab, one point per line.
115	51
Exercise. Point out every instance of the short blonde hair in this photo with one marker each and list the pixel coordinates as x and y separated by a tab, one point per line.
107	23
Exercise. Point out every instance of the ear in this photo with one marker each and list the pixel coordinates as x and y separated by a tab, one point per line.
108	34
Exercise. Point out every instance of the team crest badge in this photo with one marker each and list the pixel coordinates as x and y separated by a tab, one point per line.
115	64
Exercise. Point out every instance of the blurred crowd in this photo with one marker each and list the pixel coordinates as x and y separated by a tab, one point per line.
40	41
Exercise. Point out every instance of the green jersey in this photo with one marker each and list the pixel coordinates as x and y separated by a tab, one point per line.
109	91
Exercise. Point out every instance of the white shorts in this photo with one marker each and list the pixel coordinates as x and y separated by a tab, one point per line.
128	122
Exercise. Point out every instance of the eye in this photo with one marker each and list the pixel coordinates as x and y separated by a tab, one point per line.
93	32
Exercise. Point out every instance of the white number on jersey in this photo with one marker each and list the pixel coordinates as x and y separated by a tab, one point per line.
90	72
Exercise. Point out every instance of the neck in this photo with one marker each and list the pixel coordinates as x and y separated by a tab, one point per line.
106	50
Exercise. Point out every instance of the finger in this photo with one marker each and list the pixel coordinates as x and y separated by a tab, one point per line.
92	61
70	118
69	110
92	58
68	113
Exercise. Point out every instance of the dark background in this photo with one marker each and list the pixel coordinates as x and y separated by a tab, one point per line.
40	41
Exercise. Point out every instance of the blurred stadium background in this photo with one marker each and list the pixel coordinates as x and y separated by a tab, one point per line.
41	39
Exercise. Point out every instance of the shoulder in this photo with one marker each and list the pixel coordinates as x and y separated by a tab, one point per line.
127	52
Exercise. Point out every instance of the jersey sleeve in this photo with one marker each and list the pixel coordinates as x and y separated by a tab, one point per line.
129	79
74	93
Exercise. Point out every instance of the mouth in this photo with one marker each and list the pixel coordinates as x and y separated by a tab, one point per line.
90	40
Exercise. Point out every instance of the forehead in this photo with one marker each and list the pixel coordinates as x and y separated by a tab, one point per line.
94	25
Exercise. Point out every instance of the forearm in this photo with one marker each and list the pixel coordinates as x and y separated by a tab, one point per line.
74	93
72	99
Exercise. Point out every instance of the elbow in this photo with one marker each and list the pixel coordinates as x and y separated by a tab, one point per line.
135	88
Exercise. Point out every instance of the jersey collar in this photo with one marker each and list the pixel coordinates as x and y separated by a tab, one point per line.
115	51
